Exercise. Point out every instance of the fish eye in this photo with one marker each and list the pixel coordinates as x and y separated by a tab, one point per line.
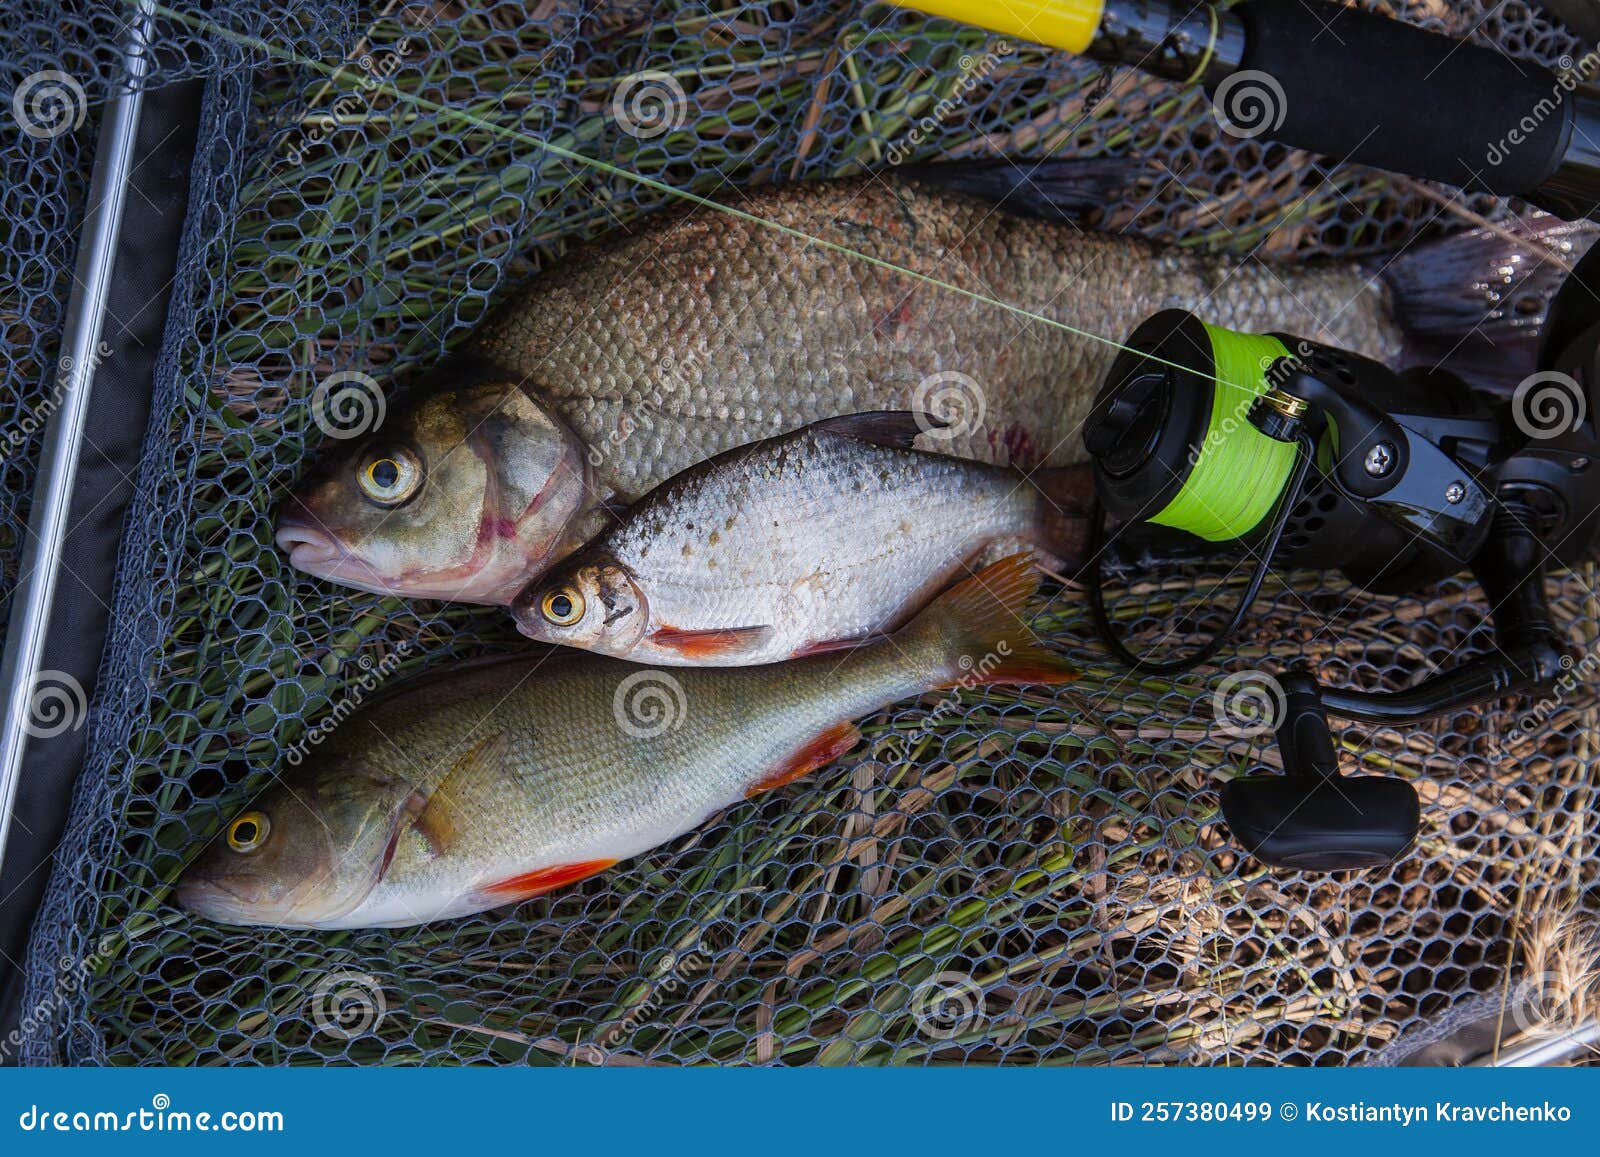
563	606
248	832
390	476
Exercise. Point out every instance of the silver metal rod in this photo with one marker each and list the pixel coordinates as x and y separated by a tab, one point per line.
35	593
1553	1050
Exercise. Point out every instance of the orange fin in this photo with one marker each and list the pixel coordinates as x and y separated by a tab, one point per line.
980	624
537	883
820	752
710	644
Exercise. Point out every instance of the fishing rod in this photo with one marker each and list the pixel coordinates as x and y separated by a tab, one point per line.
1344	83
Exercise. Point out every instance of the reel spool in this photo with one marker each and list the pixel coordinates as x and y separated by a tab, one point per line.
1204	439
1174	444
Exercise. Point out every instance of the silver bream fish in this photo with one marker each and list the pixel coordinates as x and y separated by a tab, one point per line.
803	543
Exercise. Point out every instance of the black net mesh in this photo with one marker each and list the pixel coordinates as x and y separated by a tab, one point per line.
1033	878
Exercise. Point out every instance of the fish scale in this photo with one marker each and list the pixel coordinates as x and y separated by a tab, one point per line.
588	795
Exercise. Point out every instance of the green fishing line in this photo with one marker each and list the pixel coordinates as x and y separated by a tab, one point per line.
1239	471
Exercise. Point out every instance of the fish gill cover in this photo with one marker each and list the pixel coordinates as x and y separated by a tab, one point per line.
994	879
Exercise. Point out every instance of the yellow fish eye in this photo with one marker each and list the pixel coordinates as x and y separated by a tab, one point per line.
391	476
563	607
248	832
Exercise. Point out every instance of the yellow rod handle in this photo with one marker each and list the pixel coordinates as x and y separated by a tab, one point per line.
1068	24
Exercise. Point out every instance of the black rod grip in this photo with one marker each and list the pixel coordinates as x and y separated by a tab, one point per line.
1361	87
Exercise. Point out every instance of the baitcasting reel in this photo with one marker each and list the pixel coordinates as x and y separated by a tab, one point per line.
1308	456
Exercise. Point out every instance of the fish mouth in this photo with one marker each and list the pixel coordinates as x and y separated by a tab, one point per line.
307	546
249	904
316	552
212	900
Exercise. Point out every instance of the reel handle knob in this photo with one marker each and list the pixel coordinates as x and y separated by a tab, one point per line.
1312	818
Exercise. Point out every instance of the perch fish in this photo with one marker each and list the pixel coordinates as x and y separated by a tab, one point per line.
509	780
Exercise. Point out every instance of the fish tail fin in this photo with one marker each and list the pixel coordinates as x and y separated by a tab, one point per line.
1475	302
1056	189
977	630
1066	503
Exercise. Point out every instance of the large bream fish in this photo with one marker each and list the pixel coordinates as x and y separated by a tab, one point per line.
634	359
505	781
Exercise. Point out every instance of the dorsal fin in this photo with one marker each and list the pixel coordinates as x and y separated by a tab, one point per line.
1055	189
442	675
897	429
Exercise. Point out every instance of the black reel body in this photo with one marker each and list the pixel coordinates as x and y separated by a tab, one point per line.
1156	414
1305	456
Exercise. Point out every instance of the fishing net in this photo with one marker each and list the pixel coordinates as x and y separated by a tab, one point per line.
1005	879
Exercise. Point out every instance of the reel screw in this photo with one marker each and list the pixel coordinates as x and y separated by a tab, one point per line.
1380	460
1454	493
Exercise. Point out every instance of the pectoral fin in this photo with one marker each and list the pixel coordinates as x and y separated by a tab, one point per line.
708	646
437	817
